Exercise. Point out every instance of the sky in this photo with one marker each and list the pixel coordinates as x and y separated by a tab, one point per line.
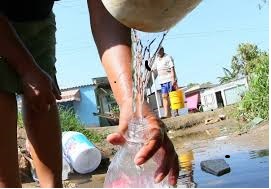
201	43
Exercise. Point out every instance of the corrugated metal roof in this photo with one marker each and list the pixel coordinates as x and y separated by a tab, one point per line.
199	87
99	80
75	87
70	95
93	82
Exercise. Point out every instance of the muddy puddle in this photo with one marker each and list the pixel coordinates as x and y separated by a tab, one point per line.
247	156
249	169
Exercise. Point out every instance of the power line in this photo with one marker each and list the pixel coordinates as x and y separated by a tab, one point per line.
87	45
217	31
205	34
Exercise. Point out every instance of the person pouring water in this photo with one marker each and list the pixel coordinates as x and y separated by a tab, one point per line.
164	65
27	67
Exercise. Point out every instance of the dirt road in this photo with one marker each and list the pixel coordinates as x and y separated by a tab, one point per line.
200	136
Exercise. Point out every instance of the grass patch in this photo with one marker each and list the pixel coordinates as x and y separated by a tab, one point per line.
20	122
70	122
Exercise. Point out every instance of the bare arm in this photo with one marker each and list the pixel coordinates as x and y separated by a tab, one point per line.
115	54
154	69
12	49
38	88
173	74
114	50
113	41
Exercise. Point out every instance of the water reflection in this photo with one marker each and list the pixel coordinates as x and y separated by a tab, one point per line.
249	169
186	175
258	154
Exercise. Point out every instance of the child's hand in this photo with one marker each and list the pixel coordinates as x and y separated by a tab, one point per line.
39	90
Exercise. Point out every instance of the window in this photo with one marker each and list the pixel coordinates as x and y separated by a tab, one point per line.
209	99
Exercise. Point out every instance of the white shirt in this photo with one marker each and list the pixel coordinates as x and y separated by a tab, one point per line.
163	66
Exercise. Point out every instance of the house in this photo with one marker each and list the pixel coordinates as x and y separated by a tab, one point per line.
223	95
107	107
82	100
192	96
90	102
93	103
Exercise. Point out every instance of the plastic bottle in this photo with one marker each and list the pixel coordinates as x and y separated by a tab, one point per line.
66	169
123	172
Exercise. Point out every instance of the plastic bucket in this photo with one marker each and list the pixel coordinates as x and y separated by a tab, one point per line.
82	155
176	99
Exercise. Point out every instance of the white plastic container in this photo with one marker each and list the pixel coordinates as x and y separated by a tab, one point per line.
82	155
66	169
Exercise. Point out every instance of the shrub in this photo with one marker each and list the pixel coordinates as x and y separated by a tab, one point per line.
255	103
70	122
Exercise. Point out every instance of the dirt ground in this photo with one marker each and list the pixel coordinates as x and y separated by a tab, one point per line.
192	135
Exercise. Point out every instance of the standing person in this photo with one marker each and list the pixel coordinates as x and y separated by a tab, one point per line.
27	50
164	65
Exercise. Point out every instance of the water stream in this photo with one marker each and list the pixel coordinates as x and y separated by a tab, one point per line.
145	47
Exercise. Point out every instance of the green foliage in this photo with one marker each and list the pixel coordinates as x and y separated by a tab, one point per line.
262	3
70	122
252	63
241	64
192	84
261	153
228	76
114	107
207	83
255	103
20	122
244	59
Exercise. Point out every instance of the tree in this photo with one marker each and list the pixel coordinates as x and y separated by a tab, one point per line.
192	85
246	52
262	3
241	63
255	103
228	76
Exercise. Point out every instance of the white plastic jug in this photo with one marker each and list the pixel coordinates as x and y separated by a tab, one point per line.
82	155
66	169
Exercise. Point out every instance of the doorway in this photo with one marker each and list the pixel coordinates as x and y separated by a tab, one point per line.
219	99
